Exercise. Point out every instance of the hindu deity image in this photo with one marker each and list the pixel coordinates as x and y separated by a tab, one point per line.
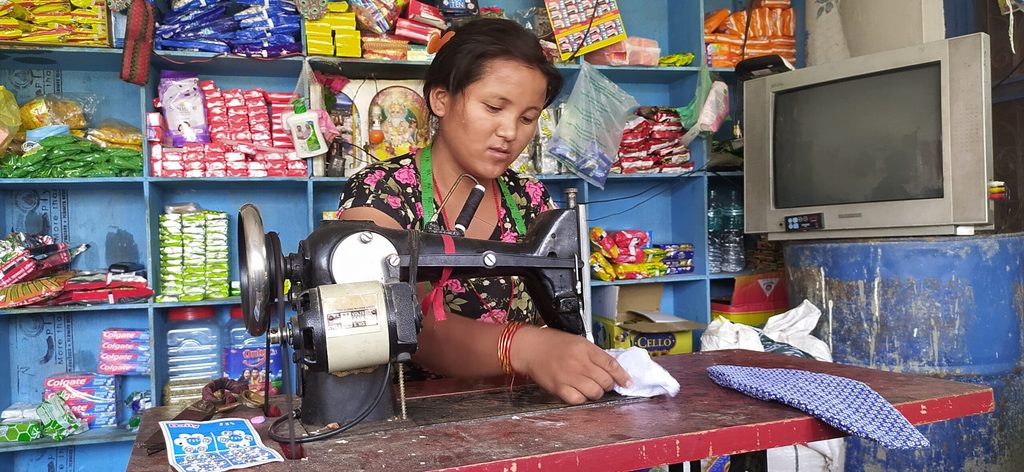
398	121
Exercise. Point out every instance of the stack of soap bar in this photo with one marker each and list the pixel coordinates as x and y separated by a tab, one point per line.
335	34
172	262
218	283
193	239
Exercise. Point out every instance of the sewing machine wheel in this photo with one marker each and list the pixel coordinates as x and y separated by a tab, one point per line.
258	264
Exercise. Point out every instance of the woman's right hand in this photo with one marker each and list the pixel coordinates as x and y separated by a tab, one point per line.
566	365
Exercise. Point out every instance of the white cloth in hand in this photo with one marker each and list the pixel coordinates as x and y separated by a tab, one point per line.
649	378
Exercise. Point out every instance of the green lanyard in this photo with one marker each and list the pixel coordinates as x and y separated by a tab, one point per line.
427	192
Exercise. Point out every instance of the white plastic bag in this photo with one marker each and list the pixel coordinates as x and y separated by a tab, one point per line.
590	128
712	114
794	328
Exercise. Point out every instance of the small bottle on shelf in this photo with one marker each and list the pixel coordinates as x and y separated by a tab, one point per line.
714	230
731	239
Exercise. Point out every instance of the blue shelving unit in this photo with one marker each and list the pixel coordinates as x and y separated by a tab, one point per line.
118	216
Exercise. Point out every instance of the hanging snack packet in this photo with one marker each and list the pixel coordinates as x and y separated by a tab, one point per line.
183	107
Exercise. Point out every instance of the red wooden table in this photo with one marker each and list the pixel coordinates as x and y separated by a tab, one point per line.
491	428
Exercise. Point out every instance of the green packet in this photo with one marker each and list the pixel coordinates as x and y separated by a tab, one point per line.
57	419
23	431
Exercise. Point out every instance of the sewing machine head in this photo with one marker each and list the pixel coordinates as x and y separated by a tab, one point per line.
354	298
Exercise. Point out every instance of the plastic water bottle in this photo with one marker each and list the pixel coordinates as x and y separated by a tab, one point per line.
731	239
245	356
714	230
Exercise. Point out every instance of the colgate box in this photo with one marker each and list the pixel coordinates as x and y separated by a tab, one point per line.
124	334
84	408
83	395
112	368
99	421
124	346
116	357
79	380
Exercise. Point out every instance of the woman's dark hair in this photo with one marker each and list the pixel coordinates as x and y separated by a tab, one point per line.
462	60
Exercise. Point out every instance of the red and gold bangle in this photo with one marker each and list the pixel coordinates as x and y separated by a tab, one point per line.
505	345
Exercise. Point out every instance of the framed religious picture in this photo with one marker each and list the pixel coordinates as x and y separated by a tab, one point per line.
398	122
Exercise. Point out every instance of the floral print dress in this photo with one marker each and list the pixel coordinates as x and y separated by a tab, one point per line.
393	187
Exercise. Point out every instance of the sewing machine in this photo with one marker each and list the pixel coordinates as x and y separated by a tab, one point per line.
353	293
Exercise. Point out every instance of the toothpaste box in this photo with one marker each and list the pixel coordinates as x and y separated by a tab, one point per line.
114	368
124	334
93	409
100	421
86	394
117	357
78	380
125	346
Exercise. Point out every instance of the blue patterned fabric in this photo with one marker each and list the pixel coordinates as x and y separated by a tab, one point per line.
845	404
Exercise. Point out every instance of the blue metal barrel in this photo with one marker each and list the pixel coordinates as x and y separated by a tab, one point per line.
946	307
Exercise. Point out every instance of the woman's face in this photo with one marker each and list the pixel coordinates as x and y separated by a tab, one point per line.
493	119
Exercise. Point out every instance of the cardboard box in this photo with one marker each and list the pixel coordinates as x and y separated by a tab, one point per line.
755	298
629	315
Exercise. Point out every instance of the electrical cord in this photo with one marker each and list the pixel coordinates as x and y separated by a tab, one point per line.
583	41
347	426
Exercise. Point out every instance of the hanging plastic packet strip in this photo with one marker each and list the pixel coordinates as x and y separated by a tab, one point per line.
271	21
205	30
272	40
270	51
263	12
264	32
211	45
174	23
179	5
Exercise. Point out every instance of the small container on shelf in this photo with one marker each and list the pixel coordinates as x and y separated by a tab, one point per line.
755	298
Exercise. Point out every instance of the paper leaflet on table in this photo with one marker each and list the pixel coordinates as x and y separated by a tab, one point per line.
215	445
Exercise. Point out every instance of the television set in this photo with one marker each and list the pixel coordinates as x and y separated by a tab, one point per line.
896	143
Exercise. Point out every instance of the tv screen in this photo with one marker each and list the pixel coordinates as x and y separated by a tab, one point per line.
871	138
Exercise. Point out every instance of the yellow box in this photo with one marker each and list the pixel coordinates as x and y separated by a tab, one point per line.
348	50
629	316
608	335
337	7
340	21
318	27
317	36
320	48
750	318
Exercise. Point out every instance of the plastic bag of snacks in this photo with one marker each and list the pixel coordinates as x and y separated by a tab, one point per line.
116	133
69	156
183	108
56	110
588	134
377	16
33	291
601	268
10	117
58	420
602	242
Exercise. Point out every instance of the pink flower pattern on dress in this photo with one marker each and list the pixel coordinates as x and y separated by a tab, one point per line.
455	286
406	175
373	179
394	201
536	192
495	316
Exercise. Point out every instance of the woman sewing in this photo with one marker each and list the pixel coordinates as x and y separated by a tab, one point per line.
487	86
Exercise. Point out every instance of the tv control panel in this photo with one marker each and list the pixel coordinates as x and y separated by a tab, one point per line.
807	222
